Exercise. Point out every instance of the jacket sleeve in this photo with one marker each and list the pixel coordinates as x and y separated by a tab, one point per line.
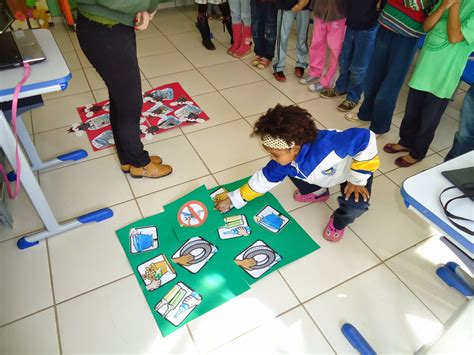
365	162
260	182
361	145
125	6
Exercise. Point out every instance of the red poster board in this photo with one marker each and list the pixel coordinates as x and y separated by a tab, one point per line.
164	108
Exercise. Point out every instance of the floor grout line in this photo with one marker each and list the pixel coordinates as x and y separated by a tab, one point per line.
319	329
56	316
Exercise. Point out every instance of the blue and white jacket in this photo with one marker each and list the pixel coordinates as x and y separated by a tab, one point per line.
332	158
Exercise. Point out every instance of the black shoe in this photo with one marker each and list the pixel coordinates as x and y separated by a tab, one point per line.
203	27
207	43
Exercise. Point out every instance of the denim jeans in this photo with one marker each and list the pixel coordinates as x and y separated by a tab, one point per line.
464	138
354	60
240	11
391	59
348	211
264	25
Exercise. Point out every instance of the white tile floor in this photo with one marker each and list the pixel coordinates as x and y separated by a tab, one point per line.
75	294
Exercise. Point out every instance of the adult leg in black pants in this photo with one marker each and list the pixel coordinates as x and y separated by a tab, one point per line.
112	52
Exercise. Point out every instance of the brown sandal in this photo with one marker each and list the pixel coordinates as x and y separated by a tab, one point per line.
152	170
388	148
402	163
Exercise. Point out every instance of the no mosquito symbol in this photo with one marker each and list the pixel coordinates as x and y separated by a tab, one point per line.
192	214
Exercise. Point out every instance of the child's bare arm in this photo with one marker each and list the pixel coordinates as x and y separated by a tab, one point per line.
434	17
454	25
300	5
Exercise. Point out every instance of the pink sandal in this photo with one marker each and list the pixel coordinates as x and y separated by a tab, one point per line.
311	197
331	233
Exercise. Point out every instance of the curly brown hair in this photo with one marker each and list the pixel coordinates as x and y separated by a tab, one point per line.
290	123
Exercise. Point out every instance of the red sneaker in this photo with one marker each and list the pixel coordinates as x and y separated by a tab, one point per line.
299	72
280	76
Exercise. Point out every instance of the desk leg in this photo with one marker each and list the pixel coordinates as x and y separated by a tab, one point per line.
30	149
32	187
457	333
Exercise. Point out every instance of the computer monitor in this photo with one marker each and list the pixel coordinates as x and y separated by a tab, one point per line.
5	17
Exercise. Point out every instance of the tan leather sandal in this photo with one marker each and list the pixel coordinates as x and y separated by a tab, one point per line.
152	170
154	158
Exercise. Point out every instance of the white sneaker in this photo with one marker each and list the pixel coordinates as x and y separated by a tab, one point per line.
308	79
352	117
316	87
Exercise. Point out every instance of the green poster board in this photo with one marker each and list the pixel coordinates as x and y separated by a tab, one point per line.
212	286
184	278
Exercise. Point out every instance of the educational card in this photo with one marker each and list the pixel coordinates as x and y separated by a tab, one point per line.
156	110
188	113
193	215
178	303
219	194
103	140
194	254
257	259
158	95
271	219
143	239
156	272
234	227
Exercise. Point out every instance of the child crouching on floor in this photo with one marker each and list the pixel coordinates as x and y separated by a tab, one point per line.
314	160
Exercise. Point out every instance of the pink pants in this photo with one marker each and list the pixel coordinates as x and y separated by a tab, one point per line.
326	34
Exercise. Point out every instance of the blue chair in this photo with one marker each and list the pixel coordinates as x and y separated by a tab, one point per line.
421	40
468	74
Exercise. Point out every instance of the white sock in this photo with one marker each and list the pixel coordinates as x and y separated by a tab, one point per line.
320	191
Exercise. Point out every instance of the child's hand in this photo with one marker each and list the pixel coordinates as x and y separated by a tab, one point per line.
183	260
296	8
356	190
223	206
142	19
247	264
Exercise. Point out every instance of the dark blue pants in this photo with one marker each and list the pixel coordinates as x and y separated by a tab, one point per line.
422	115
464	138
393	54
264	27
348	210
354	60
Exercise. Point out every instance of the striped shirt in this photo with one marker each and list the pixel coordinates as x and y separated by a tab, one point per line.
399	18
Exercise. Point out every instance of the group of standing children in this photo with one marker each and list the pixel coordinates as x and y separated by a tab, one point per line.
373	43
